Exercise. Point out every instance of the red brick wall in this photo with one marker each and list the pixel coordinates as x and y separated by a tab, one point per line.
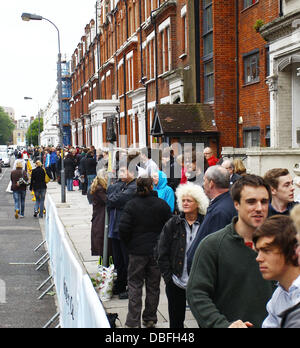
254	99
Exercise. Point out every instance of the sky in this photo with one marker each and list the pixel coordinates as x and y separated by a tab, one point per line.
29	50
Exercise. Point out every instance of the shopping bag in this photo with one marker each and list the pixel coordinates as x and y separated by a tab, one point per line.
9	188
105	280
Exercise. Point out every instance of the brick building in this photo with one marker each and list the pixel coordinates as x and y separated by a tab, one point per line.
144	67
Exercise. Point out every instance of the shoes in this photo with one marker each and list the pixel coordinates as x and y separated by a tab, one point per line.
123	295
150	324
17	214
132	327
35	214
21	216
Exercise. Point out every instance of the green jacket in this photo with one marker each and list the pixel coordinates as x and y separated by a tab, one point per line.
225	283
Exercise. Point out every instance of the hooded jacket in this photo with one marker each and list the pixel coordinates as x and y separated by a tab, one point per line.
164	191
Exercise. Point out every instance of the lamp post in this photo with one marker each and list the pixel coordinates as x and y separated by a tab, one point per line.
39	136
28	17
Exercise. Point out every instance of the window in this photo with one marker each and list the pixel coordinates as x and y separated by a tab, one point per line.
209	81
251	68
130	71
207	27
185	31
248	3
251	137
166	57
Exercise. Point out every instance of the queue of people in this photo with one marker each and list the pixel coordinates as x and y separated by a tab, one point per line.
219	237
203	245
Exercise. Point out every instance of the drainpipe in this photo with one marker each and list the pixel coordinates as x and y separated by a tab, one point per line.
280	8
126	6
143	78
197	49
153	21
125	100
237	73
98	55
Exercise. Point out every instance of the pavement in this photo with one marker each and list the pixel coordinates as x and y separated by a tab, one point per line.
76	216
19	303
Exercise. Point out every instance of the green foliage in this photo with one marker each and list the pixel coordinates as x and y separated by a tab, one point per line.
32	135
6	128
258	24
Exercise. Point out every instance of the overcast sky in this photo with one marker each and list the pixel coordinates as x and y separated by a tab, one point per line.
29	50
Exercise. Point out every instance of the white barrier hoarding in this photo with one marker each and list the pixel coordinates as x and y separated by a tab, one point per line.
78	302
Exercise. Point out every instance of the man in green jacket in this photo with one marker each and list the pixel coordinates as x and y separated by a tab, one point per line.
226	288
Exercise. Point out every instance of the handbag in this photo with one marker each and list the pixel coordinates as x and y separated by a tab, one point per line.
47	179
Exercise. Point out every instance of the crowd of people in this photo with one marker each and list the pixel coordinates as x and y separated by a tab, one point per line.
224	241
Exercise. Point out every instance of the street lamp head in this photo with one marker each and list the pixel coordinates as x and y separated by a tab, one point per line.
27	98
31	17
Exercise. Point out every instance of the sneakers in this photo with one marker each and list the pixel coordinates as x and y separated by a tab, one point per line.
149	324
35	214
17	214
21	216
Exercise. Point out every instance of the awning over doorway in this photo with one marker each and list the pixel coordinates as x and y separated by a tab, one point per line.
183	119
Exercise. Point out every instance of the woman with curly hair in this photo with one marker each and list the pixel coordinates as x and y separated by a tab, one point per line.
176	238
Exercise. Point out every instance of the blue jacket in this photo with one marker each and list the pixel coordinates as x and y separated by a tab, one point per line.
53	158
219	214
164	191
118	195
47	161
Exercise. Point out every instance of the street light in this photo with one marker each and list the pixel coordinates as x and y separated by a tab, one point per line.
28	17
39	137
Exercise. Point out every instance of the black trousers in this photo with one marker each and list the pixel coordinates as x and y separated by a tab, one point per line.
53	170
176	305
142	269
120	258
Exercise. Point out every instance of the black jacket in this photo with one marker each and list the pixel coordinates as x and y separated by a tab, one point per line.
70	165
38	179
90	165
141	223
172	247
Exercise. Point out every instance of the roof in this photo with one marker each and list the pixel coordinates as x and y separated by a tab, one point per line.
183	119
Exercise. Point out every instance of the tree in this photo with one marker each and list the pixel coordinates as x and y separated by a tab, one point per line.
6	127
32	135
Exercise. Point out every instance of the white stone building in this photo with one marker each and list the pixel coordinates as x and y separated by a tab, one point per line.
283	37
50	134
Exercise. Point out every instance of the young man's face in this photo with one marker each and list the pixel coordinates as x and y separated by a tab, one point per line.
253	206
271	260
285	189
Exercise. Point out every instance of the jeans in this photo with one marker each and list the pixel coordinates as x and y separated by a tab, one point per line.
70	184
40	199
90	180
19	198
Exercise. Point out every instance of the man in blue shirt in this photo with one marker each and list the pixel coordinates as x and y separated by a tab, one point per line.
53	161
221	209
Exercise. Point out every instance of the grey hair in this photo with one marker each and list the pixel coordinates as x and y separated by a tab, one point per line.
219	175
194	191
230	162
